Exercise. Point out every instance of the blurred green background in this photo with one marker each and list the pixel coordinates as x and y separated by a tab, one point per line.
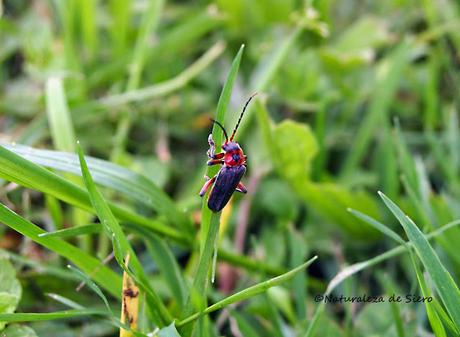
354	97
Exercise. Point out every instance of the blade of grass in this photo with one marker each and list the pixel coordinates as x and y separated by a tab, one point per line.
66	301
249	292
266	70
90	265
385	89
445	285
74	231
173	42
48	316
210	222
120	12
23	172
378	225
160	314
168	266
388	285
359	266
433	317
93	286
88	26
217	135
170	85
63	136
61	127
110	175
148	25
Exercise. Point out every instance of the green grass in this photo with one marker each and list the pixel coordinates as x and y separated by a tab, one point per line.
105	110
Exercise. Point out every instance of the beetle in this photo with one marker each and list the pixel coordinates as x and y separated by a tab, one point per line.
228	179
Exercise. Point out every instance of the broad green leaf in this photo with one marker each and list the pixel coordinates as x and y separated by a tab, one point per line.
367	32
10	288
442	280
295	147
16	330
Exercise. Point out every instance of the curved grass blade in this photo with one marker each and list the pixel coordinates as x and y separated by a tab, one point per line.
217	135
359	266
66	301
48	316
170	85
442	280
431	313
74	231
83	277
17	169
160	314
210	222
110	175
90	265
249	292
378	225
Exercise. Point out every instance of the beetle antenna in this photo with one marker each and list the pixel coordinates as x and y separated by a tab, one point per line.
241	116
223	129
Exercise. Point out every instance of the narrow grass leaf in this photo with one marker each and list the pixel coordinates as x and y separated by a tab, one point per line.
433	317
118	178
61	127
66	314
149	23
168	266
379	106
210	222
17	169
66	301
378	225
217	135
357	267
74	231
90	265
83	277
445	285
249	292
170	85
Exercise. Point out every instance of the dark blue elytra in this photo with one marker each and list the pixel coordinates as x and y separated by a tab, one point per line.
226	182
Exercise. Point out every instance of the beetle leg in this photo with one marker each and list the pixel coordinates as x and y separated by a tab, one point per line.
206	185
241	188
215	162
